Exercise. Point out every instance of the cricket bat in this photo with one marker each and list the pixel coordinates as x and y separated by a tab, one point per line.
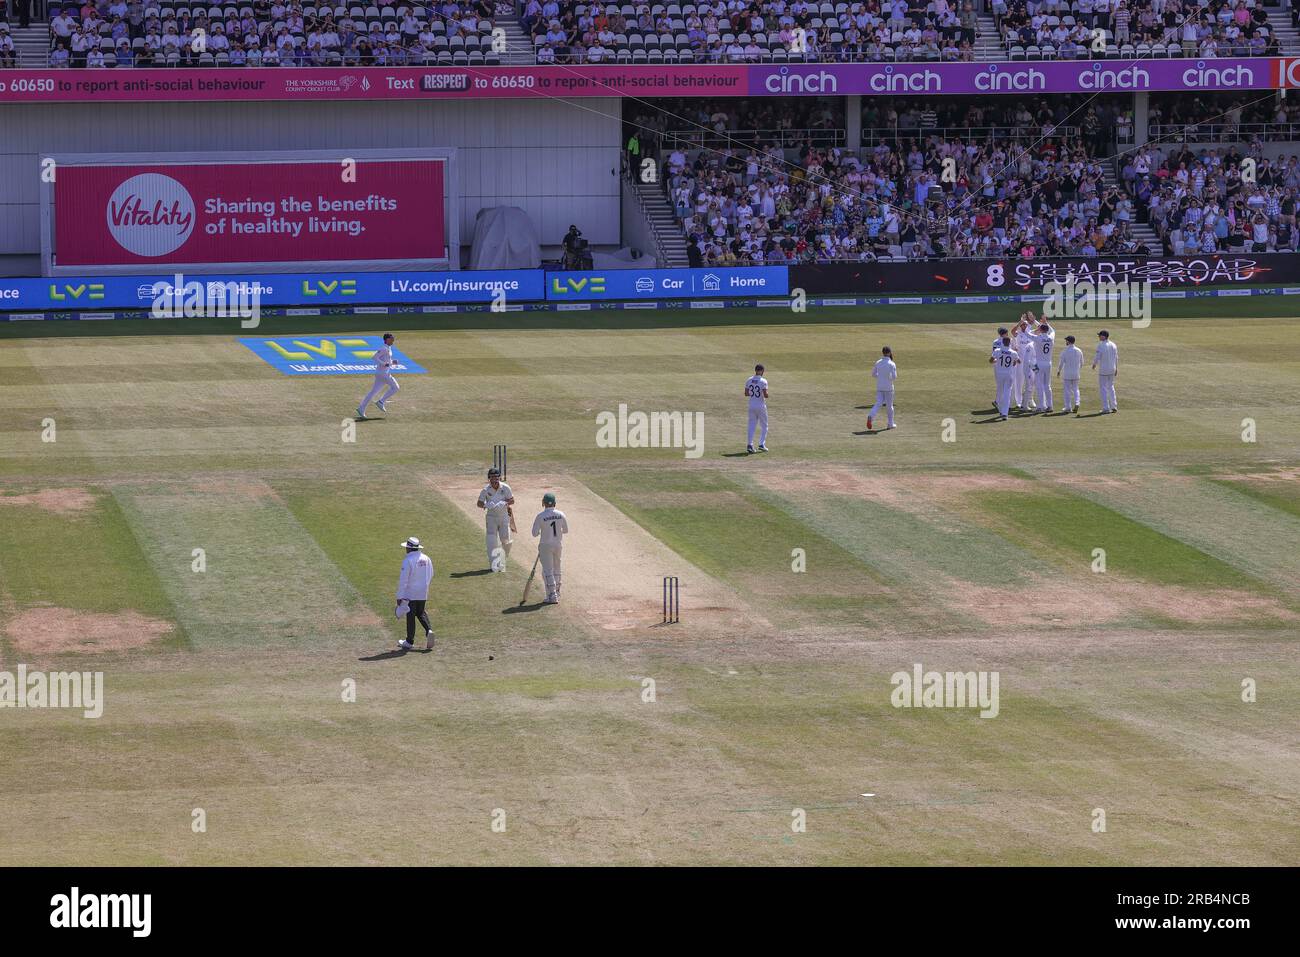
531	575
511	512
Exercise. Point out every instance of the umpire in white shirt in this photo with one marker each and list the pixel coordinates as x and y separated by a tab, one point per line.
413	592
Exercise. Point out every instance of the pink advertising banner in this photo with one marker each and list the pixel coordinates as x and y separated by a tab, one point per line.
413	83
177	213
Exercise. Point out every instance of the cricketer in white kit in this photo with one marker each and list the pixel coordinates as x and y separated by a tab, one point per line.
1106	362
1004	361
1043	344
1069	368
549	527
496	499
756	392
384	381
1022	387
1002	332
884	372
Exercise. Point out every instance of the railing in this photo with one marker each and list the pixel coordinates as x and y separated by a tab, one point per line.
1015	134
1225	132
699	139
631	177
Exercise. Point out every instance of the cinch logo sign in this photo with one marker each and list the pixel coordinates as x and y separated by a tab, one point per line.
563	287
150	214
93	290
314	287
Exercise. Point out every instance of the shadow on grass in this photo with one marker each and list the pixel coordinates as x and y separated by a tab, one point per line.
474	574
517	609
397	653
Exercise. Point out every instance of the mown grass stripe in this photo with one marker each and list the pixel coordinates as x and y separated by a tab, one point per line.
1068	527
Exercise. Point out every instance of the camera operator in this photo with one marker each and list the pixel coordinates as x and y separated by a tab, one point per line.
573	246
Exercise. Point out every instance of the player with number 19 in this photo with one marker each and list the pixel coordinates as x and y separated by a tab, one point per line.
1004	361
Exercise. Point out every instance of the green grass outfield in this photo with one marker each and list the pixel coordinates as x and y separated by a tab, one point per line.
1120	691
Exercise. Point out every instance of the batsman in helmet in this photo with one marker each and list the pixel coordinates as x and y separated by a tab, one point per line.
549	528
496	500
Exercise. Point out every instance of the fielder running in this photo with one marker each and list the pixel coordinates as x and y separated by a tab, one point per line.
413	592
1004	361
756	392
496	499
884	372
1068	368
384	381
550	526
1106	362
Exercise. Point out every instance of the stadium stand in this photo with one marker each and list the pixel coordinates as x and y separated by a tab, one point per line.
768	31
1142	29
771	182
162	32
1200	200
121	33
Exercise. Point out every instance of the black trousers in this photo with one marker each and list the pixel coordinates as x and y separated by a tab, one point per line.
416	610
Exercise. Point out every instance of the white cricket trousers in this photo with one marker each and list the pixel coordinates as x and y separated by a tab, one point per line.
1043	387
550	555
1005	382
498	536
383	380
1071	393
1106	386
1028	382
757	417
885	398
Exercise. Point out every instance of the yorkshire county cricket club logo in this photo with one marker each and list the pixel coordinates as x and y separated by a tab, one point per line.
150	214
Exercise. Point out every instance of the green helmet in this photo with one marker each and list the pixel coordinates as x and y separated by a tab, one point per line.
549	499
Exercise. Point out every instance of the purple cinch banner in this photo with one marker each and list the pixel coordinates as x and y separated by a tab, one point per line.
330	84
1055	76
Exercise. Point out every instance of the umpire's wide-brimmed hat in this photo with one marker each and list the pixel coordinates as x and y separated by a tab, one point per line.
412	542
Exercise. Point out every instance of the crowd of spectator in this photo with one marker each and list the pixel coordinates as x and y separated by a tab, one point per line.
271	32
1210	200
1096	28
992	177
749	31
126	33
916	198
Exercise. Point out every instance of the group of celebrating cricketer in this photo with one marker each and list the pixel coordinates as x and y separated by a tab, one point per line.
1022	372
1022	368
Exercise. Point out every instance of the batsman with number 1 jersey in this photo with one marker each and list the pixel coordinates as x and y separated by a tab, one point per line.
549	527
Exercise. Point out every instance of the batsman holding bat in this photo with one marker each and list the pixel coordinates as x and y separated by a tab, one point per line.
549	527
496	499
